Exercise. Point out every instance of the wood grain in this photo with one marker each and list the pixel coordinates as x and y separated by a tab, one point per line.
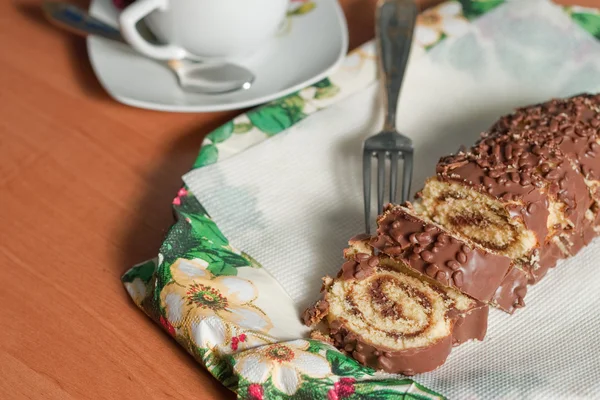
85	190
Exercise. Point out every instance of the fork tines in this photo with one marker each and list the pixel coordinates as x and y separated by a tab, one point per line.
394	156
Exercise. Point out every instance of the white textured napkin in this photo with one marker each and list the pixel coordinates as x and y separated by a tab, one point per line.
293	201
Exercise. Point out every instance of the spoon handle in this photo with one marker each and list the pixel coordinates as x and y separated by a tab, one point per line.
77	20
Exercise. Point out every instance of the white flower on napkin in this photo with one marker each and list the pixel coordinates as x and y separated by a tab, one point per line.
443	20
225	338
285	362
137	290
196	294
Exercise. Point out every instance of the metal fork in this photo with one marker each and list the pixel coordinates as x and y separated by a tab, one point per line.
395	23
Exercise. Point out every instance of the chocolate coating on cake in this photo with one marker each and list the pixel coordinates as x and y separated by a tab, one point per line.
361	266
571	124
313	315
571	190
550	253
510	295
429	250
555	165
408	362
471	326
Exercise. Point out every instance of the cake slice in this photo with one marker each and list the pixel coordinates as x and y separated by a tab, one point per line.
389	319
511	209
429	249
471	322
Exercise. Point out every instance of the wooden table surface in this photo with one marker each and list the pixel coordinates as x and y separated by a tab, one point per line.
85	190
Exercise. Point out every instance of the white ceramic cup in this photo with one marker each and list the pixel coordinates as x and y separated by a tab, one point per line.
204	30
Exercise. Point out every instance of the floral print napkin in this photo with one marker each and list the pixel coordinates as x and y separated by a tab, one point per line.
218	303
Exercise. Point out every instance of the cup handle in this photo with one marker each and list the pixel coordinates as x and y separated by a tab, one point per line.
131	15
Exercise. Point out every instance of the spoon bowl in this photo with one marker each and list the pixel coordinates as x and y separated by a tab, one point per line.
211	78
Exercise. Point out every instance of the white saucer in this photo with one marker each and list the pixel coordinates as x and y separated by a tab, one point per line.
307	50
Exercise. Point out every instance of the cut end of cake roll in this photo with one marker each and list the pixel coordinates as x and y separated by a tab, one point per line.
483	219
392	320
471	314
431	250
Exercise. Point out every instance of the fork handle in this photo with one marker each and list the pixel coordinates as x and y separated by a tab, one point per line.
394	27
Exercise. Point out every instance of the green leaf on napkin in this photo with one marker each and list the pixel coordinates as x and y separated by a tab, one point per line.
323	83
208	244
163	276
325	89
589	22
431	46
222	133
205	229
392	388
389	394
345	366
222	262
143	271
208	155
278	115
222	369
251	260
475	8
216	265
242	127
180	243
315	346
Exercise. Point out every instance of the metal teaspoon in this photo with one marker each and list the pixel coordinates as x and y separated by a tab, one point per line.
209	78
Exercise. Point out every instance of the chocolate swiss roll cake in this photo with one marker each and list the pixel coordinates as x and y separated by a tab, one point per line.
494	219
527	189
429	249
391	320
